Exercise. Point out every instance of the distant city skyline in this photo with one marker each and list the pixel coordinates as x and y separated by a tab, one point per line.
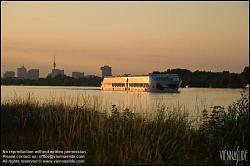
131	37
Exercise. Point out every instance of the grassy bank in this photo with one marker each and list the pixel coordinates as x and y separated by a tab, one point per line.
123	137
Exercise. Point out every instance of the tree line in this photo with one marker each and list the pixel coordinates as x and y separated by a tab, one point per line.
223	79
57	81
197	78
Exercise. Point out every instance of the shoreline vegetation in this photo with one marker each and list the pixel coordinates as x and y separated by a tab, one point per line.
205	79
123	137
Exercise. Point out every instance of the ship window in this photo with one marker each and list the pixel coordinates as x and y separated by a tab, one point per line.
138	85
117	85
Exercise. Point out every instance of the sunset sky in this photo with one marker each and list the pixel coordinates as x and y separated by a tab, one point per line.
132	37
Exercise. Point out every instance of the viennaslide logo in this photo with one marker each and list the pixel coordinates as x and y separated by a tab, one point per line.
234	155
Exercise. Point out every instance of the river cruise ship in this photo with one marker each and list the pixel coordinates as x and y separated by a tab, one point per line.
153	82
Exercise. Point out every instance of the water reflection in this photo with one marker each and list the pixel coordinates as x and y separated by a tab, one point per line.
193	100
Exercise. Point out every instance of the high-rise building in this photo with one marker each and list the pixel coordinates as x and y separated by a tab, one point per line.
9	74
56	72
33	74
21	72
77	75
106	70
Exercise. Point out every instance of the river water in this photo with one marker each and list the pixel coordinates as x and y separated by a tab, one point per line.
192	100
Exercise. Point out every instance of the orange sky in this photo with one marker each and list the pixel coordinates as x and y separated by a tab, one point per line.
132	37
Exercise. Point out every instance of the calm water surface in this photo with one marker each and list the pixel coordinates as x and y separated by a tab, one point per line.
194	100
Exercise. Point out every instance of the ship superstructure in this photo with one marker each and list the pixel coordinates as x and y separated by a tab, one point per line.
153	82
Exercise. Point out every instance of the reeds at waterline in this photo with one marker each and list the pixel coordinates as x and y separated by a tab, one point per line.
121	136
